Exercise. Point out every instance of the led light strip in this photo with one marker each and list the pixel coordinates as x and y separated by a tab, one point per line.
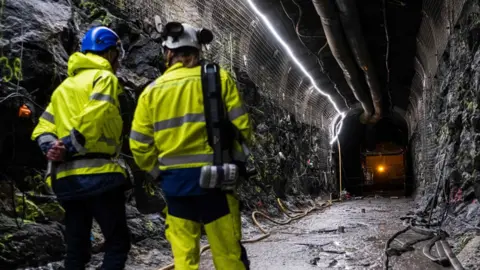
302	68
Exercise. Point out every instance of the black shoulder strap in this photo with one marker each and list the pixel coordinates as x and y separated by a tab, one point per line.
214	109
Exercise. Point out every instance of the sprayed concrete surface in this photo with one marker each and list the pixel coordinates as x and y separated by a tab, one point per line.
314	243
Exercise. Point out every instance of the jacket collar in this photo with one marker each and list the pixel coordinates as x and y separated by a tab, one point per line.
176	66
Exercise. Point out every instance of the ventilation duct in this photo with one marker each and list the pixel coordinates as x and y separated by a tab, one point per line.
338	45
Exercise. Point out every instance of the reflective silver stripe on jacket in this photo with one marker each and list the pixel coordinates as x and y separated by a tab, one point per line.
102	97
235	113
139	137
83	163
200	158
80	149
48	116
178	121
47	138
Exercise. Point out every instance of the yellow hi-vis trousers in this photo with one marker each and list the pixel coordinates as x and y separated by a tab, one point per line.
220	215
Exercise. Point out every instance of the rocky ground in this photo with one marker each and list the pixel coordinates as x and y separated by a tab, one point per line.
314	242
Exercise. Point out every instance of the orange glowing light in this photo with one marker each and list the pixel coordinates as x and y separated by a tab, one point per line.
380	168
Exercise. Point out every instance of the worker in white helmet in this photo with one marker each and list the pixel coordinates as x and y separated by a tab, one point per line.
172	137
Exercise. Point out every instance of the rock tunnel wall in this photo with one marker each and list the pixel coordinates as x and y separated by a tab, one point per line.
445	130
36	38
435	31
442	118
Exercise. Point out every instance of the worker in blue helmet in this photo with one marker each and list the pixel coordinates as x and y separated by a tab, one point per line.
80	134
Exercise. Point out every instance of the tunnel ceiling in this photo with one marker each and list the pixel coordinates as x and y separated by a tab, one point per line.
405	62
405	39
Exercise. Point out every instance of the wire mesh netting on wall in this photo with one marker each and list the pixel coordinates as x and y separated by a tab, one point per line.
439	18
242	43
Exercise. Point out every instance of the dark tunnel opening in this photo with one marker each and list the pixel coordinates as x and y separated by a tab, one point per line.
375	158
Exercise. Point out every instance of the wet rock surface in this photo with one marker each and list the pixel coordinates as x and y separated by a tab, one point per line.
315	243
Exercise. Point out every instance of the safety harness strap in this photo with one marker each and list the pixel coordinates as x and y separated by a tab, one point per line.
215	116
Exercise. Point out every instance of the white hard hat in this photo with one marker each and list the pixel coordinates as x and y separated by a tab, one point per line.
177	35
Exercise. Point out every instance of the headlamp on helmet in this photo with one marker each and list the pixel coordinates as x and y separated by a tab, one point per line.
204	36
172	29
176	35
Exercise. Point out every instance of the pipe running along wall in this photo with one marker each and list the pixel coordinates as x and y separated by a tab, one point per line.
353	32
337	43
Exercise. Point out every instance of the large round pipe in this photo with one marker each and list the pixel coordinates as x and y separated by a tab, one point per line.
338	46
353	31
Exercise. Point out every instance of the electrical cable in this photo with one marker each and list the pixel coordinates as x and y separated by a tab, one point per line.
437	189
295	25
14	204
428	234
387	53
319	61
340	167
13	95
386	250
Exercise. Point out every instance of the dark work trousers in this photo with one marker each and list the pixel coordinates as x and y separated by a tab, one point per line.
108	209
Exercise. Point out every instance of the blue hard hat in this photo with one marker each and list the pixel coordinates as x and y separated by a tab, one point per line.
99	39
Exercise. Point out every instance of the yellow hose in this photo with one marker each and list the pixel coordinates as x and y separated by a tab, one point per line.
340	166
266	233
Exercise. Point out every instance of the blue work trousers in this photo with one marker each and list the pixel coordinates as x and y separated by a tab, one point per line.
108	209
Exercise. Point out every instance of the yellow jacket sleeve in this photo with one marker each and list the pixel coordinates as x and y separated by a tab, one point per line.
235	108
142	138
102	103
45	132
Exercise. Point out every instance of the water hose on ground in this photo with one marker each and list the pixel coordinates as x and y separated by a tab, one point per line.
426	249
386	251
284	209
340	166
420	230
428	234
441	252
413	242
445	254
451	256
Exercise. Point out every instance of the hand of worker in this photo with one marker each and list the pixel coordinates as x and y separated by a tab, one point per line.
57	151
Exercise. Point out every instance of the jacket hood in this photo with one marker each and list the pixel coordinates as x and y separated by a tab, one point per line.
79	61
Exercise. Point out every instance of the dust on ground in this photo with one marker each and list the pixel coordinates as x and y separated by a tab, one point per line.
314	242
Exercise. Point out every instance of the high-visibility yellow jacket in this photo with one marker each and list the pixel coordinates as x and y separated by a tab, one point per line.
84	112
169	134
